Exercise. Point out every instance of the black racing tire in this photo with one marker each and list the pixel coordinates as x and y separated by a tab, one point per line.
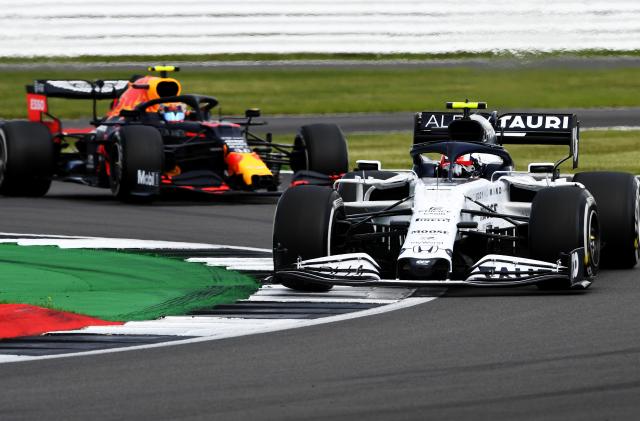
348	191
321	148
618	198
136	148
26	159
303	226
563	219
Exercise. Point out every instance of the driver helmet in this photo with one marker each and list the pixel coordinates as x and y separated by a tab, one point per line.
463	167
173	112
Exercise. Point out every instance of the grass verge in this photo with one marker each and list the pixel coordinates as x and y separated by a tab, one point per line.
113	285
327	90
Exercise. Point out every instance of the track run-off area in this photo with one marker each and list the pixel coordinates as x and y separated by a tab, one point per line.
469	354
196	314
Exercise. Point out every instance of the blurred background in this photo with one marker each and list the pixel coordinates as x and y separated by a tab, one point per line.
155	27
367	65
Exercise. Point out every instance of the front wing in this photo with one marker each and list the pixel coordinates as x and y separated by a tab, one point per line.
206	182
359	269
217	191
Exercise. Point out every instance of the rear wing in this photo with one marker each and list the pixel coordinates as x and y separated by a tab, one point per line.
540	129
78	89
42	89
511	128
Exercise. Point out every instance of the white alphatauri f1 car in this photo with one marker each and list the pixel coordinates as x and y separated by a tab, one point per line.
462	215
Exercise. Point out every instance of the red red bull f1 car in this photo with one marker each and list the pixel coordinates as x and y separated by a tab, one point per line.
154	138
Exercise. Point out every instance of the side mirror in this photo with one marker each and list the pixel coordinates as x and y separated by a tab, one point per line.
252	112
541	167
365	165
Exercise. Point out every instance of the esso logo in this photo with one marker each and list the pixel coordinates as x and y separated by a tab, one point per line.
36	104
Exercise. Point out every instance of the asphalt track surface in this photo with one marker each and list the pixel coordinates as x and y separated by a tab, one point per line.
471	354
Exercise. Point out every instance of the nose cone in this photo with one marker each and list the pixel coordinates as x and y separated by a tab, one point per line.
413	268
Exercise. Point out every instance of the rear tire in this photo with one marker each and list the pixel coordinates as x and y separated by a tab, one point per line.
303	226
321	148
138	148
563	219
26	159
618	198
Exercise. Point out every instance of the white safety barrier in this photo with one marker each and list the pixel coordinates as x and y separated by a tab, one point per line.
93	27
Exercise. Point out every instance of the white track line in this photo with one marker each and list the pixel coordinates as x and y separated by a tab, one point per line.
236	263
338	294
289	324
216	326
65	242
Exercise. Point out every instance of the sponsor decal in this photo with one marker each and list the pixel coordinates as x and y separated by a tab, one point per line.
534	122
435	211
430	231
426	248
430	249
37	104
236	144
483	194
433	220
439	121
337	270
423	242
505	272
38	87
148	178
82	86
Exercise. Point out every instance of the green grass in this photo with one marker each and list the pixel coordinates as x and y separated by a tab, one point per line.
114	285
330	90
599	150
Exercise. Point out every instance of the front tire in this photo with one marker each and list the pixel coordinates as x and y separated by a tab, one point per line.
618	198
136	164
303	227
563	219
26	159
321	148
